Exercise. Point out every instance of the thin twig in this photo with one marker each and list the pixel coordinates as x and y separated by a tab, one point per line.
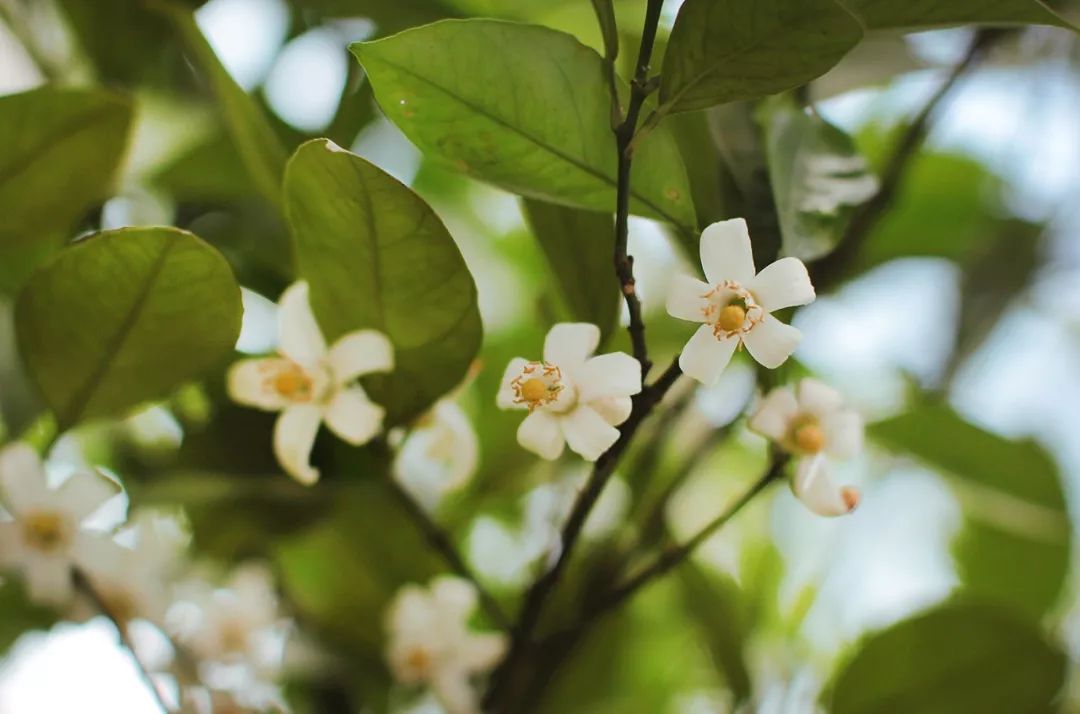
441	541
84	585
830	269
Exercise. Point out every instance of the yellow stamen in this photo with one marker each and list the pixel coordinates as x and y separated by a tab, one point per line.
810	438
534	390
732	318
418	660
292	383
44	531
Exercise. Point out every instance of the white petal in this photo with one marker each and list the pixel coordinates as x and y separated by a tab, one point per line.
48	579
775	413
726	253
22	479
785	283
685	300
454	691
249	382
614	410
587	433
843	434
771	342
300	338
505	398
568	344
479	653
539	433
410	611
815	488
454	597
354	417
612	375
294	435
83	493
359	353
818	398
705	357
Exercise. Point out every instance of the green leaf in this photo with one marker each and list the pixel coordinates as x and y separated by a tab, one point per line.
523	107
717	603
817	176
20	615
256	141
728	50
923	14
957	659
59	154
1015	548
123	317
579	246
376	256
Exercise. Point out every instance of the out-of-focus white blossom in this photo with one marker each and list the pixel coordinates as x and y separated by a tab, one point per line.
439	455
736	303
44	537
431	644
573	397
311	384
813	424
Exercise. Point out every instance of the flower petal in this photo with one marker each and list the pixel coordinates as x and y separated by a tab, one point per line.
48	579
539	433
299	336
23	485
454	597
359	353
705	357
294	435
726	253
614	410
505	398
84	493
479	653
250	382
616	374
818	398
568	344
587	433
784	283
454	691
815	488
354	417
775	413
685	300
771	342
843	434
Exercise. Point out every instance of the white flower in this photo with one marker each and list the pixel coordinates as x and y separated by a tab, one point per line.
813	425
430	643
735	304
572	397
310	384
45	537
439	455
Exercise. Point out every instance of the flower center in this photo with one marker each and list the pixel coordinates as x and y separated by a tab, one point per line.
234	637
292	382
731	318
538	384
809	437
731	309
44	531
419	660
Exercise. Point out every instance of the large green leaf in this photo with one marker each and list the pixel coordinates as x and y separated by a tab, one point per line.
727	50
59	154
1015	546
717	603
375	255
523	107
818	177
579	246
957	659
123	317
922	14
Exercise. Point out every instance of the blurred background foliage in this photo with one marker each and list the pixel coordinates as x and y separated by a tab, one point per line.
953	326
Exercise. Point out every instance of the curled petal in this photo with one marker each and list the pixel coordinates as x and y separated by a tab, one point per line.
299	338
22	479
587	433
843	434
726	253
250	382
359	353
784	283
705	356
505	398
775	413
614	410
771	342
685	300
294	436
815	488
612	375
354	417
568	344
539	433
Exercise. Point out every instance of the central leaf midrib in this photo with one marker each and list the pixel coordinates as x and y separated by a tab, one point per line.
516	130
